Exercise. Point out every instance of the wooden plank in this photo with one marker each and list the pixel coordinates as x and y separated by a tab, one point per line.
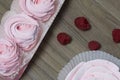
50	57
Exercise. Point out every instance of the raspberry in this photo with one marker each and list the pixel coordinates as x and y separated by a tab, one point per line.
63	38
116	35
94	45
82	23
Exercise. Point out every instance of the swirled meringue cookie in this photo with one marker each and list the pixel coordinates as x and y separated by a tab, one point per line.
38	9
95	70
10	59
24	30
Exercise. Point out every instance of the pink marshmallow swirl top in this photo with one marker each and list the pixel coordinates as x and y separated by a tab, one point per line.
24	30
10	60
39	9
95	70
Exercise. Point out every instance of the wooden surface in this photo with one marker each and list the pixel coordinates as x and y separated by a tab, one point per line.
103	15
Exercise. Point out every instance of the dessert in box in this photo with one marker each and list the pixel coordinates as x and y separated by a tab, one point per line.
96	69
23	28
91	65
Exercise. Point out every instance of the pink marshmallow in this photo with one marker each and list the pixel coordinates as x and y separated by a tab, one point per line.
10	60
38	9
24	30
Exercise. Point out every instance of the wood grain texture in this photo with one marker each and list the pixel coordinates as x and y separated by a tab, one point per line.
103	15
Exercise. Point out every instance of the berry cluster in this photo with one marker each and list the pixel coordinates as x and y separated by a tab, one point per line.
82	24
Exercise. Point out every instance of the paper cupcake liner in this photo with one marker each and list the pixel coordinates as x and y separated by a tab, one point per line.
84	57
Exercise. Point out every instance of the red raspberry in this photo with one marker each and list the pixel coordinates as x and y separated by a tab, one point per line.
94	45
63	38
116	35
82	23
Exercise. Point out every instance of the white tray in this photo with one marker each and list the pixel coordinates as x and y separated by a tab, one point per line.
45	26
